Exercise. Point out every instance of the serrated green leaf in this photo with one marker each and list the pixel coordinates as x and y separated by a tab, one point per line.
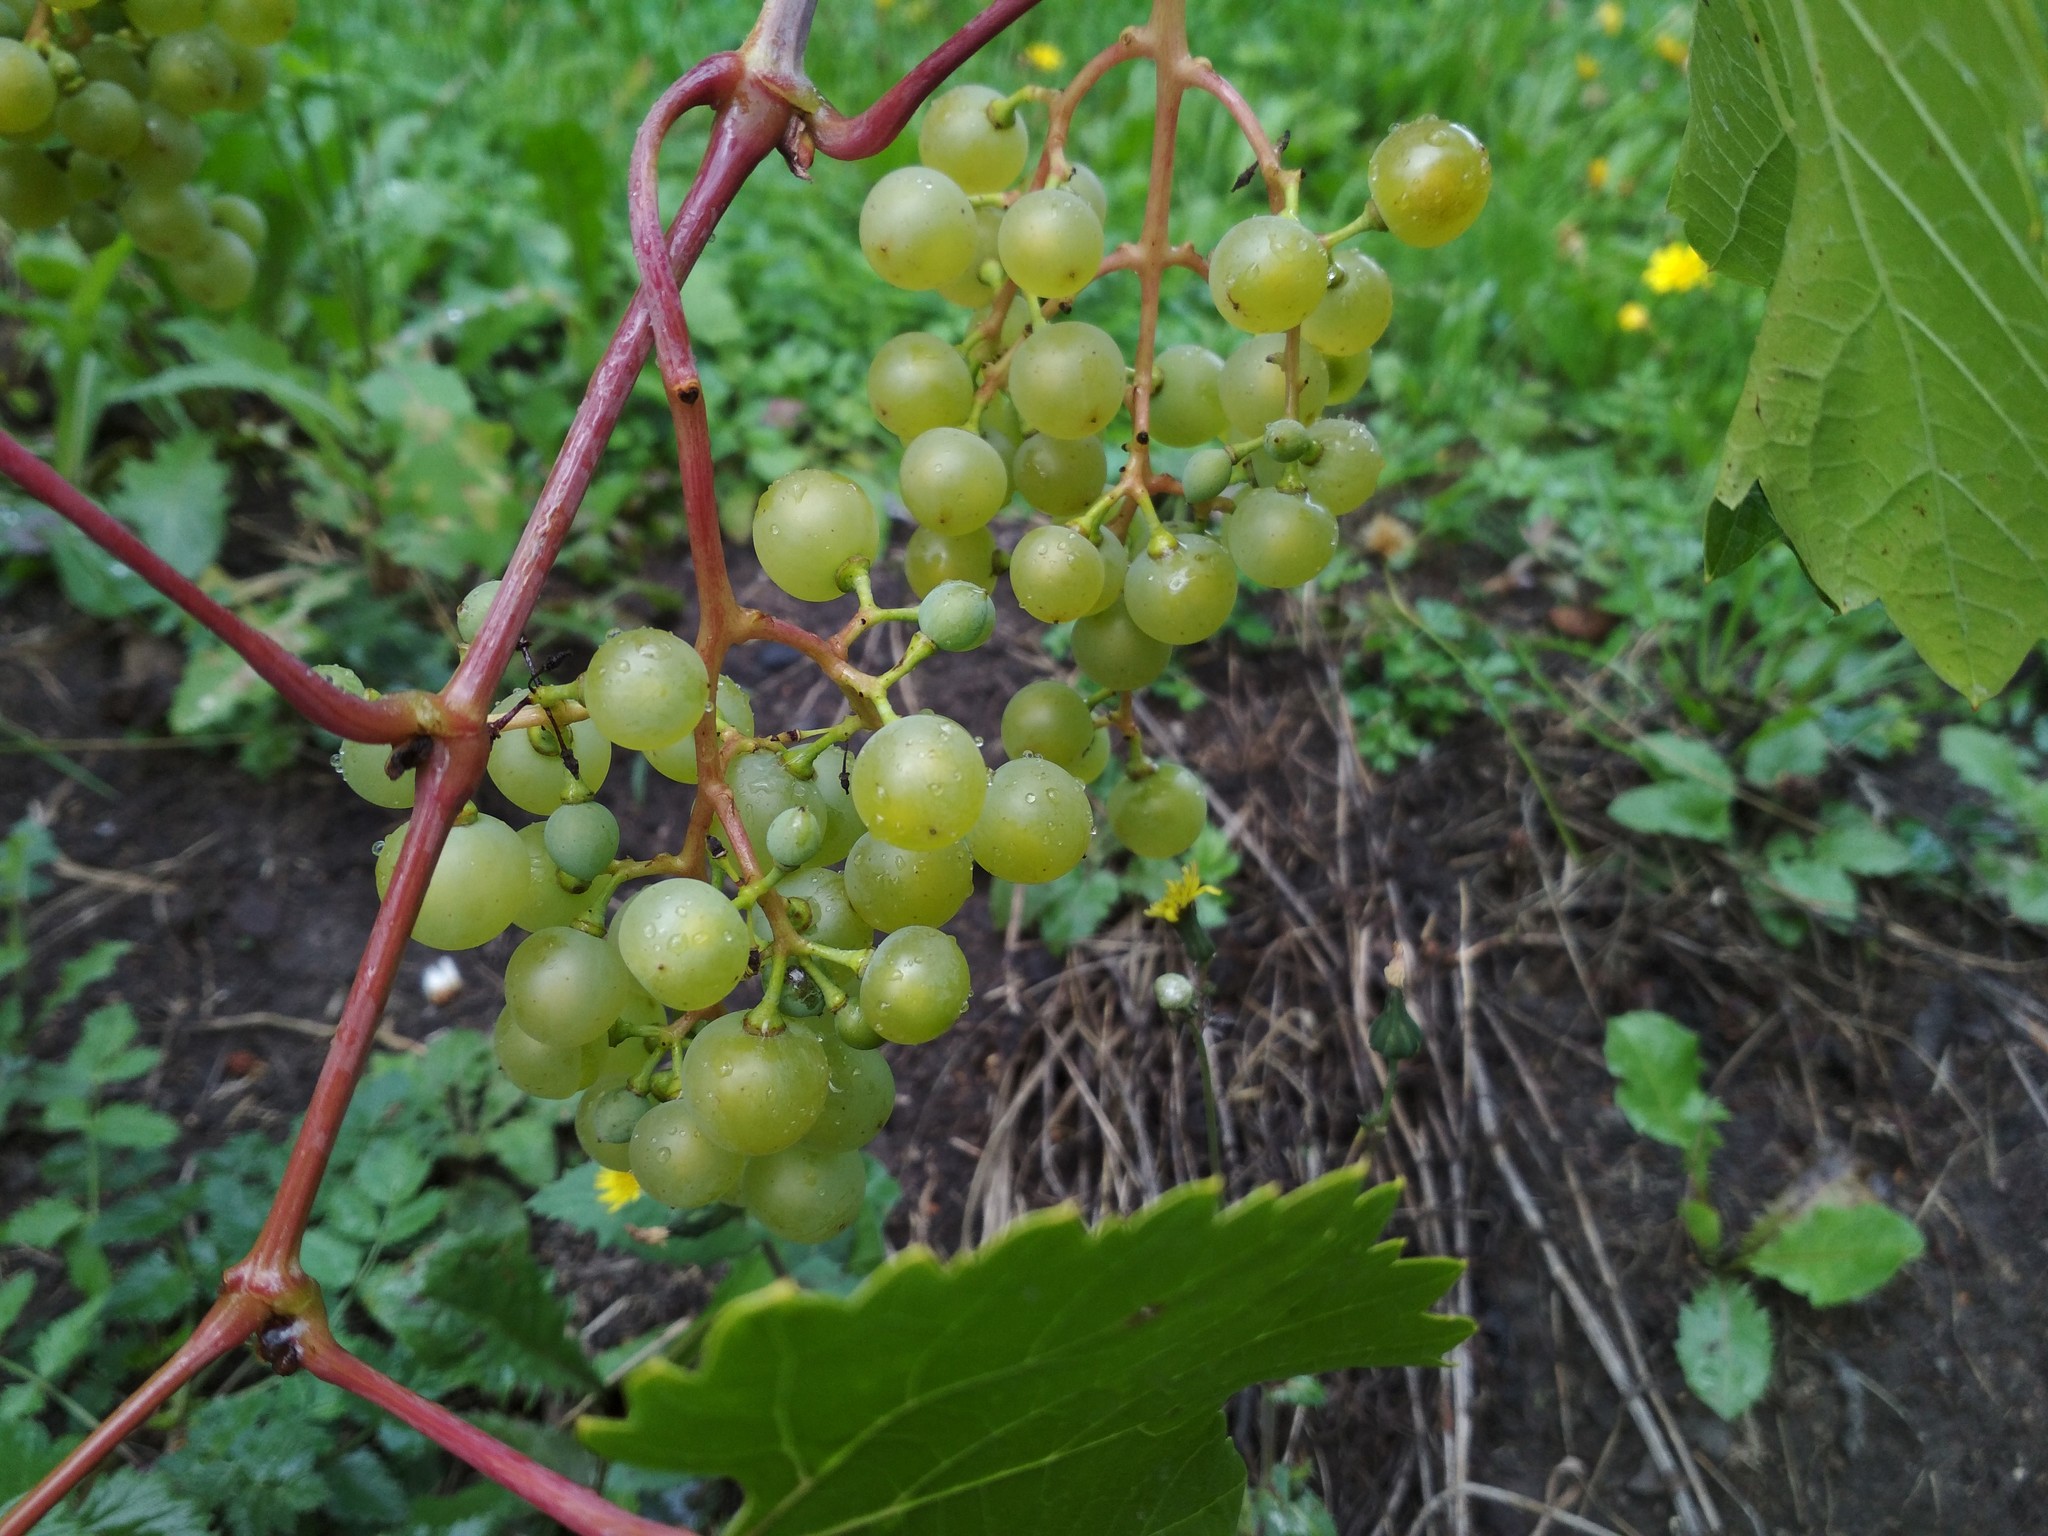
1058	1380
177	501
15	1292
133	1127
1656	1064
1724	1347
2022	884
1676	808
1737	535
1895	407
86	970
1838	1253
42	1223
1851	840
1737	166
64	1340
1814	883
26	1453
1790	747
127	1503
1994	764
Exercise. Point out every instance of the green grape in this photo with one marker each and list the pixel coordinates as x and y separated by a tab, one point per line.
1348	465
547	902
794	837
582	839
1116	565
831	784
807	525
93	227
1160	815
684	942
101	118
1087	186
167	224
1279	540
972	288
1355	311
474	608
675	1160
805	1195
754	1093
678	759
1207	475
565	987
1050	243
952	481
13	19
479	882
1348	376
28	91
1429	179
93	180
191	73
802	997
645	687
1068	379
1060	476
220	274
860	1094
168	154
762	789
361	766
854	1031
833	922
1287	440
1111	649
158	18
919	782
1035	824
613	1112
917	228
735	705
919	381
958	139
545	1071
1184	594
1000	416
1047	719
915	986
244	218
104	58
1268	273
620	1063
1185	409
1174	992
931	558
1253	385
957	616
527	766
256	23
1056	574
893	887
1087	768
252	77
34	193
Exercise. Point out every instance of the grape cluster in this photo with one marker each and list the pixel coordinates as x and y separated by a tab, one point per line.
97	103
721	1015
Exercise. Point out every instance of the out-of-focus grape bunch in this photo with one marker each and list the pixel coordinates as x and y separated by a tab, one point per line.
98	109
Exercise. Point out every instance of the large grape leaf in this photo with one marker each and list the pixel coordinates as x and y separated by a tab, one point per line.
1896	411
1059	1380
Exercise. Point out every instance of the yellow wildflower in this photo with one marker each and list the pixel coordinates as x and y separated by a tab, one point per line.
1609	17
615	1189
1587	66
1044	57
1676	268
1598	172
1633	317
1672	50
1181	893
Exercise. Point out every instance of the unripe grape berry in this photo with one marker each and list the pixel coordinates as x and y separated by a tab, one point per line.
919	782
545	1071
675	1162
1068	379
245	219
831	919
1160	815
159	18
168	154
1047	719
684	942
1035	824
191	73
93	227
105	58
1185	408
807	525
362	767
1253	385
1115	652
1087	186
805	1195
794	837
1287	440
678	759
959	139
527	765
763	788
1050	243
1089	766
957	616
252	77
565	987
1430	180
474	608
101	118
1355	311
646	687
1207	475
1174	992
479	881
1056	574
1060	476
952	481
832	797
167	224
220	274
93	180
1348	376
893	887
1183	594
754	1093
931	558
1268	273
919	381
28	91
619	1064
34	193
256	23
583	839
982	279
1116	564
854	1031
915	986
917	228
548	903
860	1095
1279	540
1347	467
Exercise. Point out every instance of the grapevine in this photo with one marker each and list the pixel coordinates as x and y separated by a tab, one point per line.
722	1011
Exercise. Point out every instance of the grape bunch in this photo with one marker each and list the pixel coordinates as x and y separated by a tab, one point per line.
720	1013
97	107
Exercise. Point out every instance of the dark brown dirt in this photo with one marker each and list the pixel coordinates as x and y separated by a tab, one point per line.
1901	1049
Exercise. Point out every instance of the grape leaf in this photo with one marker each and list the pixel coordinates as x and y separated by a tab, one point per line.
1733	188
1896	411
1724	1347
1839	1253
1058	1380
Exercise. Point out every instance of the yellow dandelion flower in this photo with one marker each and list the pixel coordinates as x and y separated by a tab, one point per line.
1598	173
1587	66
1181	893
1676	268
1633	317
1608	16
615	1189
1672	50
1044	57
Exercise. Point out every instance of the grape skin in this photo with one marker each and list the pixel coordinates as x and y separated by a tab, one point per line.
683	942
547	902
564	987
1056	574
860	1095
918	381
676	1161
1185	406
1183	594
917	228
479	881
535	780
1355	311
1047	719
919	782
101	118
545	1071
805	1195
952	481
1115	652
958	140
28	91
1430	181
1050	243
916	986
1068	379
894	888
1160	815
1268	273
807	525
754	1093
931	558
645	687
1035	824
1348	468
1253	385
1279	540
1060	476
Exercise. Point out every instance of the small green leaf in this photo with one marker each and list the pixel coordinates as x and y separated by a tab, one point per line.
1839	1253
133	1128
1790	747
43	1223
1852	841
64	1340
1672	756
15	1292
87	970
177	501
1656	1062
1724	1347
2022	884
1815	884
1676	808
1995	765
1702	1225
1737	535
